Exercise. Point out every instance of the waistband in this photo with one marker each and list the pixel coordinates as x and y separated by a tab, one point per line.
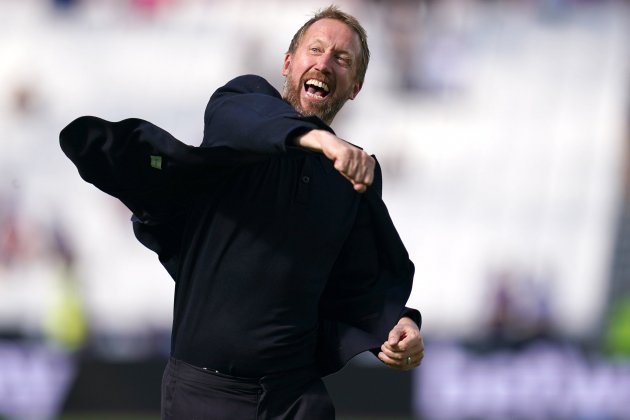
269	383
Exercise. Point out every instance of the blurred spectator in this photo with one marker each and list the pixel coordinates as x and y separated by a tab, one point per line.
64	4
16	241
520	309
424	38
617	341
402	20
65	323
9	239
149	8
24	98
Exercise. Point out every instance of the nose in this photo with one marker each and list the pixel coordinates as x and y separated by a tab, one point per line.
323	62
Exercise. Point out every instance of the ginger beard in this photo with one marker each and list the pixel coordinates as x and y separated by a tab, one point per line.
325	108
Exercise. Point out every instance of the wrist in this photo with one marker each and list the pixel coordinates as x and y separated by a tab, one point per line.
311	140
407	321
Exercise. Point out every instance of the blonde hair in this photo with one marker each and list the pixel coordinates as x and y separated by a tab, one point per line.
333	12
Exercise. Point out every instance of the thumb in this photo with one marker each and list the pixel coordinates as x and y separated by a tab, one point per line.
394	336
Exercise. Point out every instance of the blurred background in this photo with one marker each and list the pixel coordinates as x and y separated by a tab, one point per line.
503	130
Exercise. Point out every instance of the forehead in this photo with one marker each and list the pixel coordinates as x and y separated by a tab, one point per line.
335	33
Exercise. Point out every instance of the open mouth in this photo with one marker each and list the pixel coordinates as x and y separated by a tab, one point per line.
316	88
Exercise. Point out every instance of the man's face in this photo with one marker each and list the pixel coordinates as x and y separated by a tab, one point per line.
321	73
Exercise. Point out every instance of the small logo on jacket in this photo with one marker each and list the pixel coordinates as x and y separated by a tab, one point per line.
156	162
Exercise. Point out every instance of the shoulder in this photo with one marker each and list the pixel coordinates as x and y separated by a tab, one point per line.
247	84
246	97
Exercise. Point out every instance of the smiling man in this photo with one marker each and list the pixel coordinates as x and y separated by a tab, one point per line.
286	263
325	65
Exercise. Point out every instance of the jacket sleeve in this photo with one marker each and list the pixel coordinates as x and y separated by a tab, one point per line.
127	160
249	115
368	287
377	189
155	175
150	171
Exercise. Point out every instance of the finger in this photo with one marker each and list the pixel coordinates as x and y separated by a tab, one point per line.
411	340
407	363
401	357
393	353
404	347
358	187
362	179
396	335
372	166
412	362
341	165
366	169
348	170
393	363
408	342
357	169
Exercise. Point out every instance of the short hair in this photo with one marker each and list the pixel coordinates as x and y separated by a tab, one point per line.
333	12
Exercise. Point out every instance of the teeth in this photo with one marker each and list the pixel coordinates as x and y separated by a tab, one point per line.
319	84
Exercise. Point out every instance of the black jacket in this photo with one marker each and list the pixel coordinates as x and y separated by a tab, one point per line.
247	200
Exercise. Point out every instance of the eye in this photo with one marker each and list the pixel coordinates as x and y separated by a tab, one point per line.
344	60
315	50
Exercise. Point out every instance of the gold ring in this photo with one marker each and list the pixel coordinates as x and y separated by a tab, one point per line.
408	360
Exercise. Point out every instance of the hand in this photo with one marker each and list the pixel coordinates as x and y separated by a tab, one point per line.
404	348
353	163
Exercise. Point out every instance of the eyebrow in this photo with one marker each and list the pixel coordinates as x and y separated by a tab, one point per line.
337	50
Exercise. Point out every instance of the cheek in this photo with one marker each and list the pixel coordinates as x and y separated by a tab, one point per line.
301	64
346	88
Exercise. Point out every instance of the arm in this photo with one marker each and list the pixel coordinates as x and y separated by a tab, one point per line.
151	172
248	115
130	160
353	163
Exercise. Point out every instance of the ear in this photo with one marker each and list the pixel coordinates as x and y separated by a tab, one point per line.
286	64
356	89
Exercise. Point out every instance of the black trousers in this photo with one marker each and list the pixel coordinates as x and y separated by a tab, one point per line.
190	392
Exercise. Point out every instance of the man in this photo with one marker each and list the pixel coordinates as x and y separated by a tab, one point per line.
285	259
